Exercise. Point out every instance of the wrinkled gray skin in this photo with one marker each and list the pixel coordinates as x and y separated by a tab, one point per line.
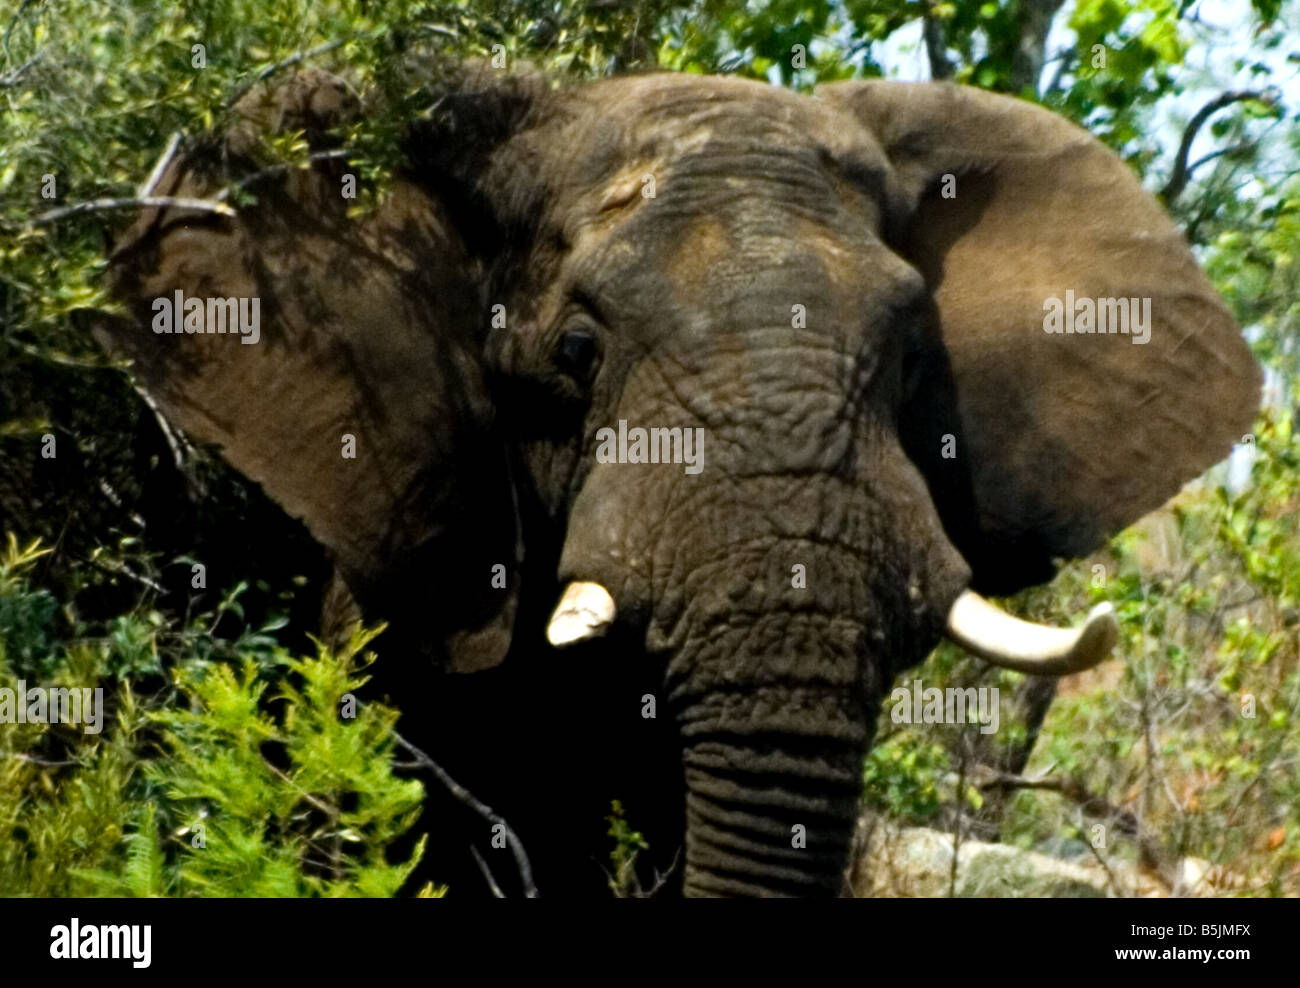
922	325
692	294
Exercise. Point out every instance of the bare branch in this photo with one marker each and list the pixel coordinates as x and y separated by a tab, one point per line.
33	760
112	566
279	169
13	77
1120	891
160	165
932	30
322	49
960	831
176	442
1090	803
1064	62
1034	24
487	873
482	809
13	21
1205	159
130	202
1180	175
294	59
1093	805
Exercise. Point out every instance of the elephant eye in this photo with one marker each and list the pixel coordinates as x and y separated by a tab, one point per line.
577	353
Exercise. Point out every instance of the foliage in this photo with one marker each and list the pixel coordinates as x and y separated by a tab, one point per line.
1254	263
628	844
241	777
903	775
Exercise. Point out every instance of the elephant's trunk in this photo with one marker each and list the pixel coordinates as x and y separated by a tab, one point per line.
775	693
772	800
753	835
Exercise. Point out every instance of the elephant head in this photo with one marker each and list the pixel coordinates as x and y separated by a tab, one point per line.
759	378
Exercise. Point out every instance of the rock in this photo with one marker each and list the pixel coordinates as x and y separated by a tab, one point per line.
916	862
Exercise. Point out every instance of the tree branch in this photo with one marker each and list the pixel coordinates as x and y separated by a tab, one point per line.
1034	24
33	760
112	566
482	809
130	202
12	77
935	48
279	169
1180	175
1064	60
323	49
1206	158
1093	805
294	59
161	164
487	873
13	21
1120	891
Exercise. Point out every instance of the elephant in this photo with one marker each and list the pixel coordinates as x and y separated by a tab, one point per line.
666	418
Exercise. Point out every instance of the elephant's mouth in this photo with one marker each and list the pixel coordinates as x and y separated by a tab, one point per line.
586	611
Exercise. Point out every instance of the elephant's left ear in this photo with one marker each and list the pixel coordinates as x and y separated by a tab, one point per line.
1040	436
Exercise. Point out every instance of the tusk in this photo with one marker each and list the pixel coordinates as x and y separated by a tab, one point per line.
986	630
585	611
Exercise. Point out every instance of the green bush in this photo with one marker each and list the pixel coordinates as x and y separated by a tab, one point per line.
256	775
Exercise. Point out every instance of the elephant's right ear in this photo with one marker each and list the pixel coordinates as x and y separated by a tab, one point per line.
356	395
1040	444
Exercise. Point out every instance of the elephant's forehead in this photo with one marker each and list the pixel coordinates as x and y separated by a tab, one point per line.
679	195
674	106
691	144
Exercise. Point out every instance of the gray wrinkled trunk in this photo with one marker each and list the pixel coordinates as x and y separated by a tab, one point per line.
772	751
